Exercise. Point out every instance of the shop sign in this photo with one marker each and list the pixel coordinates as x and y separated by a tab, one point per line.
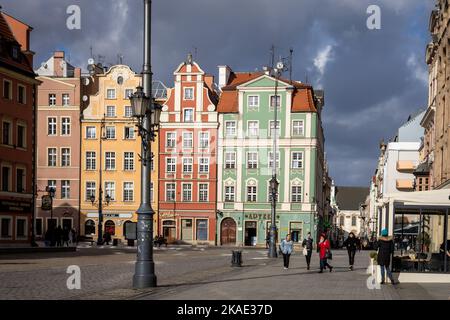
259	216
46	203
15	206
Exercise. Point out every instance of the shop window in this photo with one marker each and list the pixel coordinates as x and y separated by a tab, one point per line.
202	229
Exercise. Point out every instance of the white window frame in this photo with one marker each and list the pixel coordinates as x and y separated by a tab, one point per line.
202	139
112	97
296	195
108	132
277	159
191	139
69	155
190	164
10	177
185	119
297	163
131	129
278	128
230	163
227	133
65	190
174	191
24	178
65	99
10	131
128	162
53	126
55	157
87	131
270	101
294	128
91	158
252	161
108	113
203	165
171	165
185	96
128	189
112	190
229	195
52	99
92	190
66	127
174	139
200	185
111	159
128	111
250	99
256	129
125	97
183	199
253	194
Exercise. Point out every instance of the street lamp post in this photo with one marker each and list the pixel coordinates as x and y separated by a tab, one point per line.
148	114
100	189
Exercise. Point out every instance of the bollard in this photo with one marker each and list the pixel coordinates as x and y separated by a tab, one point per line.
236	258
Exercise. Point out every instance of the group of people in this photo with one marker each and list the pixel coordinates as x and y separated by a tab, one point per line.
59	237
384	246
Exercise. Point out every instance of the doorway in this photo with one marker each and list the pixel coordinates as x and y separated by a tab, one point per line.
250	233
186	229
228	232
169	231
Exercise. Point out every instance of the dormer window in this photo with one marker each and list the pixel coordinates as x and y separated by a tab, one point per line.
188	93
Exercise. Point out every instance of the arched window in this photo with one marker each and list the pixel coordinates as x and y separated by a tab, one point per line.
341	220
252	191
125	227
89	227
110	227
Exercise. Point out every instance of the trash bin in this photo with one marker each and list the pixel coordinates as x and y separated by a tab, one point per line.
115	242
236	258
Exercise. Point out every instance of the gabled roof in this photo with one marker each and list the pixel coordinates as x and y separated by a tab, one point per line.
350	198
5	30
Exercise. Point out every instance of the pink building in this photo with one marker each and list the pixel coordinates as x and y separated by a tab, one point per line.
58	141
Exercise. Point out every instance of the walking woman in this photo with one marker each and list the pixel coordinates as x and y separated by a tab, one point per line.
307	249
351	243
385	247
287	247
324	252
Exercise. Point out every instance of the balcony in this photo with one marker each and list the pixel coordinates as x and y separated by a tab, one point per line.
405	166
405	184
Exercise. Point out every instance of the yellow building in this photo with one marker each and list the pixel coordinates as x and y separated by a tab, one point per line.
110	150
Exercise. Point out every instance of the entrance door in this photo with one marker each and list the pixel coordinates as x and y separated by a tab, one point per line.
66	223
250	233
186	229
228	232
169	231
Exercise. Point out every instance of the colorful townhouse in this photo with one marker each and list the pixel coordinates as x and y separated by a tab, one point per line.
110	151
58	140
187	151
18	87
245	158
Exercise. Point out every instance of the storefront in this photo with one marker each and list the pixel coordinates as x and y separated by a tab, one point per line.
15	221
113	222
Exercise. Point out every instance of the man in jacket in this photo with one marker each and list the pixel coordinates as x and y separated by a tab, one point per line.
351	243
308	245
385	247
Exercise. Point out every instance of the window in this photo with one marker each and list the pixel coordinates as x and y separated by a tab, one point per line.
52	99
89	227
90	190
128	190
204	140
128	93
111	94
187	192
110	111
272	101
65	157
51	157
188	115
6	227
7	89
39	226
15	52
353	221
21	136
65	126
203	192
230	160
297	160
187	165
21	94
51	125
128	111
110	190
170	192
6	133
277	129
203	165
51	184
252	160
188	93
298	128
171	165
253	128
296	194
251	193
110	161
128	161
229	193
253	101
65	189
129	133
271	160
21	228
341	220
187	140
110	132
171	138
91	132
91	162
202	229
66	99
6	179
230	128
20	180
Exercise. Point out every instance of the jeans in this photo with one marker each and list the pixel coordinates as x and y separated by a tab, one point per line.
351	257
286	260
389	274
308	258
323	264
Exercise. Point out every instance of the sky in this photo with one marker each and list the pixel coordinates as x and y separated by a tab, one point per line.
373	79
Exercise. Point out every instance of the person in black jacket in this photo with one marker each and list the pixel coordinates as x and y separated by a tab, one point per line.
351	243
308	245
385	247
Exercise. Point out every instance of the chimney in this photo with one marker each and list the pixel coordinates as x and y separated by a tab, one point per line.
224	75
209	80
77	73
58	65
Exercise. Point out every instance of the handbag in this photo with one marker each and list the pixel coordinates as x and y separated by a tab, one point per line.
305	251
329	255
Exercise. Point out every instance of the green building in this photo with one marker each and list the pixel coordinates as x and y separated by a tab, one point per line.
245	158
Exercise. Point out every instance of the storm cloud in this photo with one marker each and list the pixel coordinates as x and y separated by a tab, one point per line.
373	79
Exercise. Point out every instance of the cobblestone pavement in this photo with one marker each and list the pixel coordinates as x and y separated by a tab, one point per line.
195	273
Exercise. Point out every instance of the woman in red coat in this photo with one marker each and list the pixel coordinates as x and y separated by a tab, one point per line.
324	248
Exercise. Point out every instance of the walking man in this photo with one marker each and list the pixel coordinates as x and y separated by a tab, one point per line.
351	243
307	249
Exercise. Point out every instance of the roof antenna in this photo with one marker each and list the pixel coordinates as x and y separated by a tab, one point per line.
291	52
272	56
195	53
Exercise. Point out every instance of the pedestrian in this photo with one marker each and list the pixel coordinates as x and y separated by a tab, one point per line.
267	240
58	236
307	249
351	243
287	247
65	236
47	238
385	248
73	237
324	253
107	238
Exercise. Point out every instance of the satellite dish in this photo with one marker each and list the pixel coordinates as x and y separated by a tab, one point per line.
280	65
85	98
86	81
62	64
91	61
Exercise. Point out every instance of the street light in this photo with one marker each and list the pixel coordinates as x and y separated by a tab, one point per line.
147	113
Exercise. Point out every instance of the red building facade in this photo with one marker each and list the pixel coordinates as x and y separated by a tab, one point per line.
187	158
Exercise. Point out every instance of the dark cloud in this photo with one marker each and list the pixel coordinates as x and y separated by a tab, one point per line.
372	79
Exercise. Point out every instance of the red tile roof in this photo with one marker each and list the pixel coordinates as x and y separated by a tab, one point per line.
5	31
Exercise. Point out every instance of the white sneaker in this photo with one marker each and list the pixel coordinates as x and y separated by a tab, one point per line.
285	268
